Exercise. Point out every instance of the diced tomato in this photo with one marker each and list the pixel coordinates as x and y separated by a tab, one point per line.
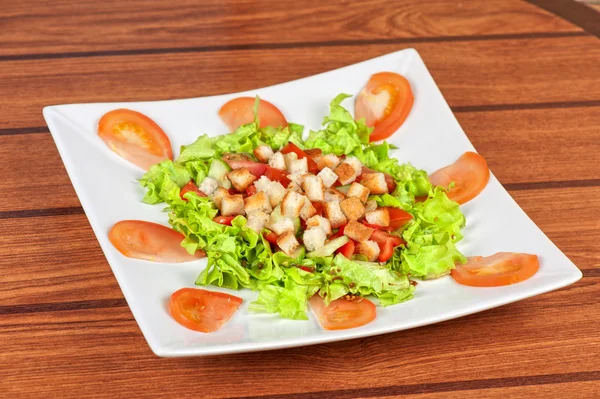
339	233
150	241
271	237
190	186
503	268
251	190
386	251
306	269
422	198
233	191
318	207
343	313
470	175
389	180
312	165
256	168
386	243
202	310
226	220
240	111
347	249
277	175
398	217
385	103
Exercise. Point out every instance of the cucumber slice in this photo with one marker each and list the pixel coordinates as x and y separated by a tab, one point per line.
344	189
298	253
329	248
297	225
276	214
218	170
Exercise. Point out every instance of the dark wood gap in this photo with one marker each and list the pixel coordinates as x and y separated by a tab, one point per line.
63	306
30	213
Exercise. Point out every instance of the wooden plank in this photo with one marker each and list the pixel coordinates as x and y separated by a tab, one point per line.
468	73
142	24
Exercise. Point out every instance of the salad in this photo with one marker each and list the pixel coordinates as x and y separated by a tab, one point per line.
330	220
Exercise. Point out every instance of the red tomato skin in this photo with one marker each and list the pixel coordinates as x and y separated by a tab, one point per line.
226	220
277	175
240	111
347	249
190	186
342	313
291	147
256	168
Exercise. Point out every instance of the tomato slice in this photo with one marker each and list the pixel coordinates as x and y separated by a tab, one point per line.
339	233
343	313
381	237
150	241
202	310
240	111
226	220
347	249
503	268
277	175
271	237
389	180
312	165
251	190
190	186
469	173
256	168
319	208
135	137
385	103
398	217
386	251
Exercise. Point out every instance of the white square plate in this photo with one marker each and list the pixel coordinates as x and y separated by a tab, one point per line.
430	138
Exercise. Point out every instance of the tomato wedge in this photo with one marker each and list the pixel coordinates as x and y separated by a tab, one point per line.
343	313
312	165
277	175
150	241
240	111
190	186
271	237
339	233
251	190
503	268
398	217
202	310
385	103
469	173
134	137
389	180
256	168
347	249
386	243
318	207
226	220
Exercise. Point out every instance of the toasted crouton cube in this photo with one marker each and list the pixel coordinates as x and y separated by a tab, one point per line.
263	184
375	182
380	216
368	248
352	208
257	202
295	187
297	178
314	238
332	194
346	173
328	176
218	195
355	163
370	205
232	205
334	213
257	220
263	153
208	185
313	187
292	204
314	153
241	178
308	210
358	231
289	158
275	193
359	191
281	226
277	161
287	242
330	161
299	166
320	222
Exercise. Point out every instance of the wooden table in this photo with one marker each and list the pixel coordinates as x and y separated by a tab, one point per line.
522	77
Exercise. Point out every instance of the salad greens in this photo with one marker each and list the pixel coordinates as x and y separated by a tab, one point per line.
240	257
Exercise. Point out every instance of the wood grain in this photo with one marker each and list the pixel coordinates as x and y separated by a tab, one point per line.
88	25
468	73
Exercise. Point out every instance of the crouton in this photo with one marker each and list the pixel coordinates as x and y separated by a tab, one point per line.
314	238
295	187
283	225
208	185
368	248
332	194
370	205
257	220
297	178
380	216
320	222
232	205
299	166
355	163
288	242
352	208
277	161
328	176
218	195
289	158
292	204
330	161
263	184
263	153
257	202
358	231
334	213
241	178
346	173
375	182
359	191
313	187
308	210
314	153
275	193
